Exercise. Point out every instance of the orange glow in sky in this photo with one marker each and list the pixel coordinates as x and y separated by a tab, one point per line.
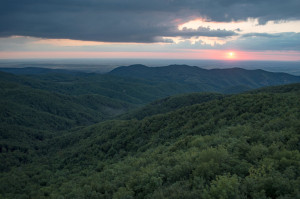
182	54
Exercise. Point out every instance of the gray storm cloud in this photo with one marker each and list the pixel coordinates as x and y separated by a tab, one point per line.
140	21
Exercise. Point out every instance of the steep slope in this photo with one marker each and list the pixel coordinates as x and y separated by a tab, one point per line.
41	105
290	88
239	146
28	116
134	91
170	104
35	95
219	80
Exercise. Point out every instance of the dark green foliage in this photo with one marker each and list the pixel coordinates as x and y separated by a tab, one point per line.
198	146
29	115
129	90
170	104
233	80
278	89
186	146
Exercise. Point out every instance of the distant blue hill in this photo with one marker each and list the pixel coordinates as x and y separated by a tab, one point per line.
230	80
168	80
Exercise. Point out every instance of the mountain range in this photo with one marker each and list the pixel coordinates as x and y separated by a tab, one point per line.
216	80
149	132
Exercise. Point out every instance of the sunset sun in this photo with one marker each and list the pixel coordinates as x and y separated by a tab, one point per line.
231	55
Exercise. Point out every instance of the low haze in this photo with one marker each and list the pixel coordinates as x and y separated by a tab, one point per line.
106	65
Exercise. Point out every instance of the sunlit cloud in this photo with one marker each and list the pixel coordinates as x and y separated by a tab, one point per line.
243	27
67	42
78	43
203	41
248	28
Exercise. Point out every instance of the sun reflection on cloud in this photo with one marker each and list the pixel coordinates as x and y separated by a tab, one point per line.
202	40
249	26
212	41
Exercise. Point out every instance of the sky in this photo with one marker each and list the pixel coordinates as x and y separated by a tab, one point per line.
156	29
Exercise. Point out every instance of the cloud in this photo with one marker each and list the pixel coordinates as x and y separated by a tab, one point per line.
261	35
249	42
259	42
140	21
201	31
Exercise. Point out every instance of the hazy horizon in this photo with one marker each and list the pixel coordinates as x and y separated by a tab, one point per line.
106	65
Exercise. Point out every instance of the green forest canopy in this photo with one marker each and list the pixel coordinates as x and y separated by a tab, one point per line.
234	146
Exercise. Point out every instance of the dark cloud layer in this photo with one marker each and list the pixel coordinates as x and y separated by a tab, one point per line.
257	41
132	20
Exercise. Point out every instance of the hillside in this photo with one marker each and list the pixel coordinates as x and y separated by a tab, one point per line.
29	115
231	80
42	103
237	146
170	104
139	84
130	90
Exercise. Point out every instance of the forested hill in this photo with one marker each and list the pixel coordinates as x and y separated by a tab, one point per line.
220	80
170	104
139	84
234	146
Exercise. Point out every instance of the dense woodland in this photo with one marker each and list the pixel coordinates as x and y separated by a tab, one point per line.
64	137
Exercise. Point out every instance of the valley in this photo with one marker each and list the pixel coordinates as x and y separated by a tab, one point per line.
140	132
